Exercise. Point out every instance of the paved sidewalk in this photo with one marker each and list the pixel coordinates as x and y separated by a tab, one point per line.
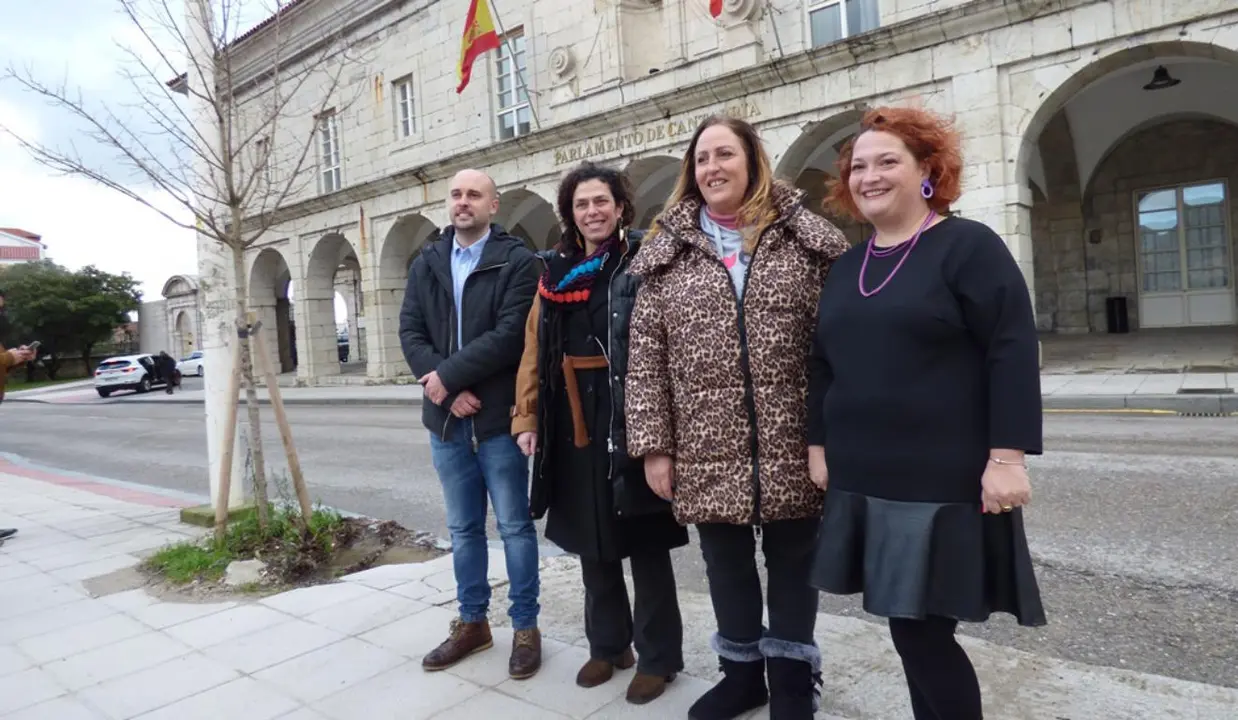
351	650
1202	393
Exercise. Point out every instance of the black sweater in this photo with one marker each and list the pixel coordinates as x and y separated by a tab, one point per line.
911	387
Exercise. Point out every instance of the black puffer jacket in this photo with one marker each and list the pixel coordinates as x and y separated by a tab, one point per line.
497	297
632	495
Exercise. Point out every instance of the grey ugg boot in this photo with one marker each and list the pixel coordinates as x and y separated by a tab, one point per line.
794	674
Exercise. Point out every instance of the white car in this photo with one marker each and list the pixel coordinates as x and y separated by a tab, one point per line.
191	365
127	372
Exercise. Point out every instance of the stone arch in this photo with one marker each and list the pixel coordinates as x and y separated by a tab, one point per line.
1204	154
1088	179
271	299
184	340
1082	225
530	217
330	254
811	162
181	297
180	285
652	179
1055	89
403	242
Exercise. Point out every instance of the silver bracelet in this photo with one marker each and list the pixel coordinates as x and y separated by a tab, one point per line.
999	461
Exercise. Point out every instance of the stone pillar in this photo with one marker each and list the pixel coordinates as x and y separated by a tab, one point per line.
991	192
317	352
383	337
264	310
215	273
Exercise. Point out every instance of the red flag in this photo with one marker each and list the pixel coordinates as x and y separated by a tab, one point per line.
479	37
715	8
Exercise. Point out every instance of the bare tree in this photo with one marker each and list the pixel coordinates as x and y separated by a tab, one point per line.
229	138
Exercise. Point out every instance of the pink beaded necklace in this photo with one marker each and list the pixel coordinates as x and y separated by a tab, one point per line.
886	252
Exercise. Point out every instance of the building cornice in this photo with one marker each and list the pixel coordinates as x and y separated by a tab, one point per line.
915	34
310	41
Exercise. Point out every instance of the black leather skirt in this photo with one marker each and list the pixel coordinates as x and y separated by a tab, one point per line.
915	559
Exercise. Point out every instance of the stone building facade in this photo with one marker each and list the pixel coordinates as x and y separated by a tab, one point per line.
1101	138
173	323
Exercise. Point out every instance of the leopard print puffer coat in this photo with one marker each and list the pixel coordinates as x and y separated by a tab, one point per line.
721	385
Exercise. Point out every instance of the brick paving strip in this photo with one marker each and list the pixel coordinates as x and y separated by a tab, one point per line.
351	650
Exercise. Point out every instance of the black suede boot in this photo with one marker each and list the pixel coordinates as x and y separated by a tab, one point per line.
741	689
794	673
791	692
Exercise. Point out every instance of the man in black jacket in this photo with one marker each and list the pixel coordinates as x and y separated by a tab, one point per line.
462	331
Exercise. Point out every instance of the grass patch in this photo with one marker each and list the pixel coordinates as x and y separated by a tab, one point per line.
331	546
288	555
186	562
16	383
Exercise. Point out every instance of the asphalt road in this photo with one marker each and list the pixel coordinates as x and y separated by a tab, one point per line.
1133	522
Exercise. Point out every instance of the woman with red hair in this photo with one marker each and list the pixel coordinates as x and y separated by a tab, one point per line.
923	400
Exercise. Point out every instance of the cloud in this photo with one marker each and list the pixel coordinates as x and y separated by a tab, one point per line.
84	223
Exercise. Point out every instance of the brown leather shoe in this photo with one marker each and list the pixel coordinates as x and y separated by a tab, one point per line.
526	657
596	671
465	639
646	688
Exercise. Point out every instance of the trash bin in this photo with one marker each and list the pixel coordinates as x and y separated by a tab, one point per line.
1116	315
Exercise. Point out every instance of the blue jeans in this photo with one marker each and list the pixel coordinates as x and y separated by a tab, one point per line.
499	469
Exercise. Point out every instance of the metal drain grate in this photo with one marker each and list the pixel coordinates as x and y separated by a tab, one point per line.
1205	391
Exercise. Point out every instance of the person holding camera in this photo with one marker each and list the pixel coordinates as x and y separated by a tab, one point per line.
10	359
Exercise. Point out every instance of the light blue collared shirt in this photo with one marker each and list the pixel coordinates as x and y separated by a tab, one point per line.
463	261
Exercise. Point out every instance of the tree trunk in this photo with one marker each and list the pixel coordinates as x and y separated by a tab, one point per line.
261	499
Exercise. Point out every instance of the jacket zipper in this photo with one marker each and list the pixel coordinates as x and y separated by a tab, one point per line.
610	371
749	386
452	322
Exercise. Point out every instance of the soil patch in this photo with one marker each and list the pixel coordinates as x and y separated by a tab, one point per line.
194	572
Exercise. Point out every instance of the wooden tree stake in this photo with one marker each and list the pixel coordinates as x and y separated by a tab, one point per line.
281	419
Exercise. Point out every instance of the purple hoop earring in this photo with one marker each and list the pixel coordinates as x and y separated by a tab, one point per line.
926	189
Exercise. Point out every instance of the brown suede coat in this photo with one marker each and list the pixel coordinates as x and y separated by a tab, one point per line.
8	361
722	392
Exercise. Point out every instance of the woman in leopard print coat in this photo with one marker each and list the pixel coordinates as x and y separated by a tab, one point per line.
716	403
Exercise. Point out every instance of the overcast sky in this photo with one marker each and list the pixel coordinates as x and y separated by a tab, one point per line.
82	223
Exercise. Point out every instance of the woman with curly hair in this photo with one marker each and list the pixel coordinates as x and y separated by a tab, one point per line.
716	389
569	417
924	399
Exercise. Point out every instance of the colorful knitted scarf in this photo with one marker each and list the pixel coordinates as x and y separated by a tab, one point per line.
576	284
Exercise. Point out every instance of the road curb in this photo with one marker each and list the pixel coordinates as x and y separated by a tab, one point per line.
1210	404
1207	405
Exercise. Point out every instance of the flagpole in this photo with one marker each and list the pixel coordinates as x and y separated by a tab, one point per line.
773	21
515	65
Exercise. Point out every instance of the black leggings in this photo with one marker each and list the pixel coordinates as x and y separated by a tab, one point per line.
940	676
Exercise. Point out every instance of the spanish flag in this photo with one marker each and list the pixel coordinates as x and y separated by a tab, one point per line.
479	36
715	7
